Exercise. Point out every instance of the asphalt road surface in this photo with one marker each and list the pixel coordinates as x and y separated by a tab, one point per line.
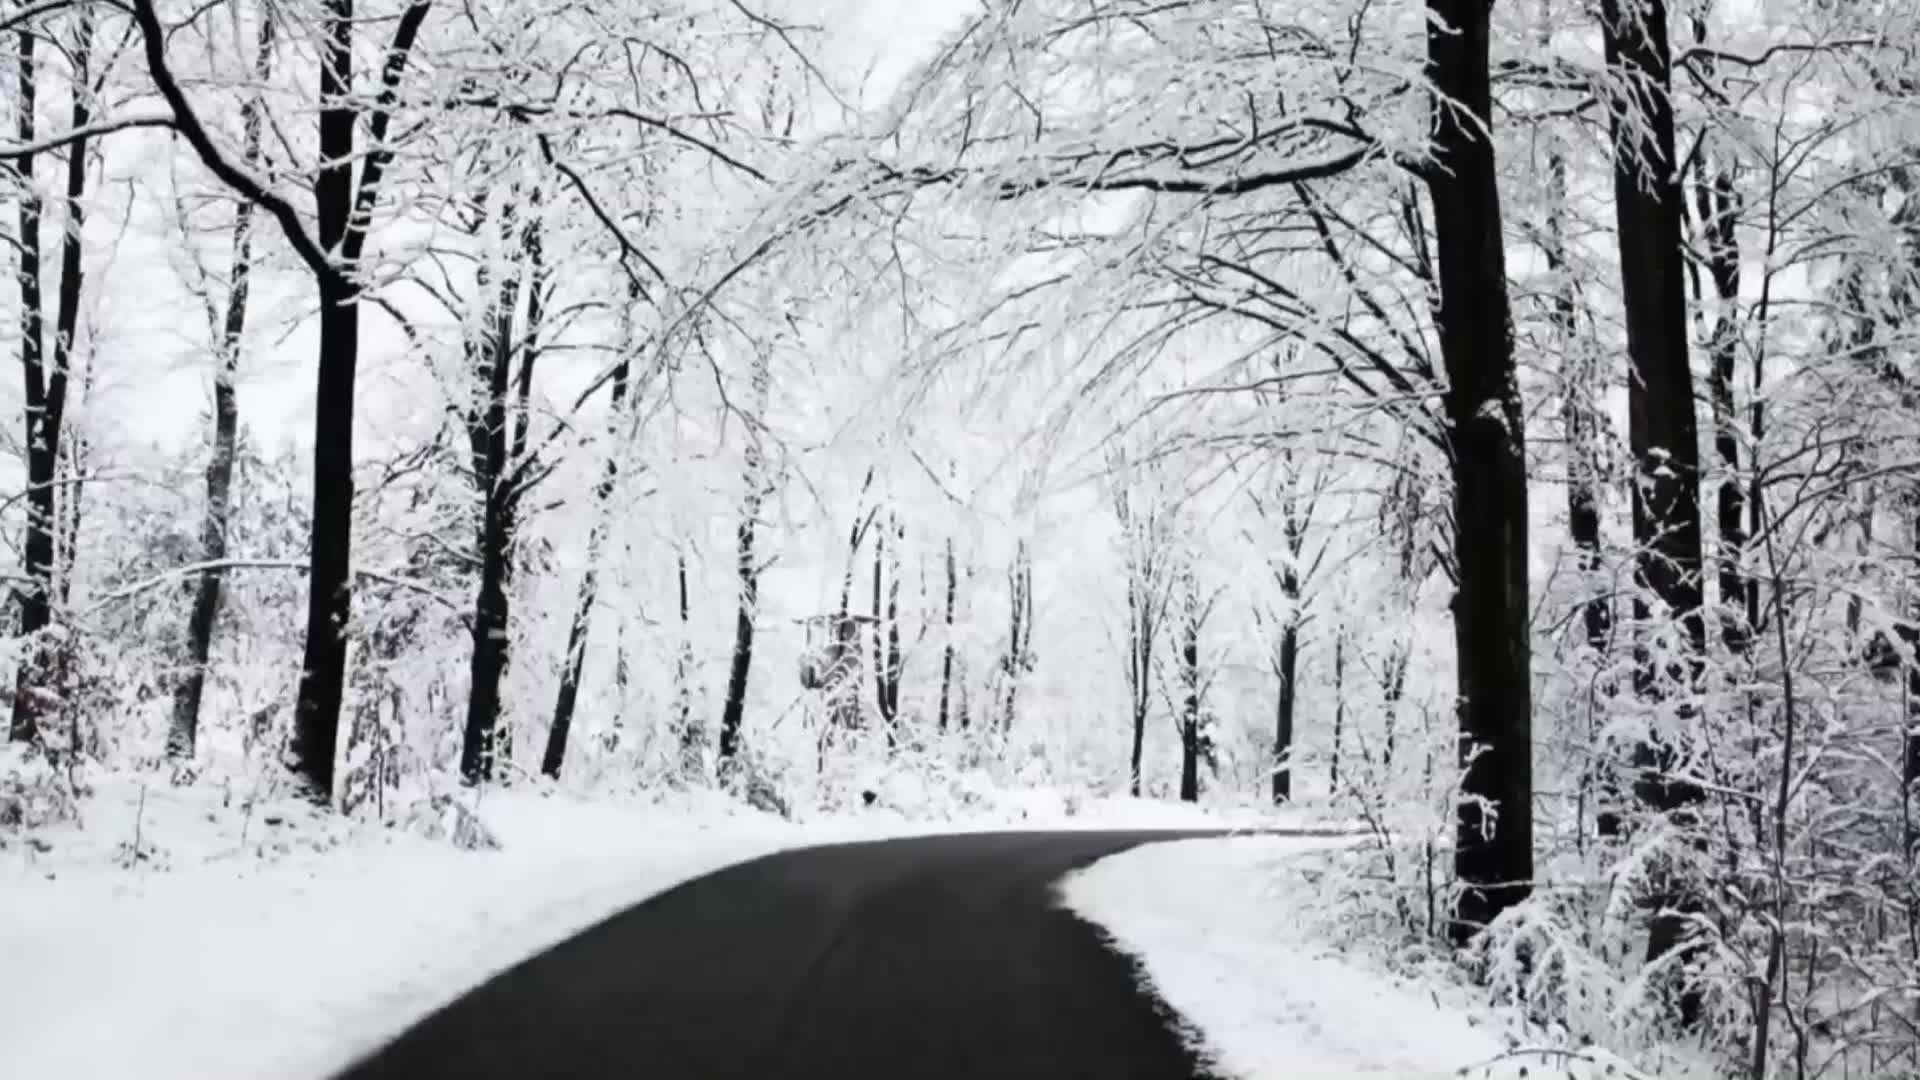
938	958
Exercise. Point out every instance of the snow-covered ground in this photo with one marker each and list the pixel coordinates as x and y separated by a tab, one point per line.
172	934
169	935
266	956
1226	938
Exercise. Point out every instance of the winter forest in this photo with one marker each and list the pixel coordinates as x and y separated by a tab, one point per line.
1496	424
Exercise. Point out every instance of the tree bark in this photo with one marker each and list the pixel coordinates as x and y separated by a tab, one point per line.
1339	705
498	436
733	710
1289	658
343	209
947	643
1493	853
46	387
1190	733
1718	204
323	667
1019	632
33	599
1581	418
1663	434
183	731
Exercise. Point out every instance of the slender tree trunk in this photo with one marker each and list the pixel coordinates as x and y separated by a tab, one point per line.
692	743
1582	419
886	637
46	388
1339	705
1190	733
323	665
1719	208
33	599
1288	663
1493	852
1140	627
946	641
183	731
1019	630
578	627
1662	430
493	461
733	710
490	643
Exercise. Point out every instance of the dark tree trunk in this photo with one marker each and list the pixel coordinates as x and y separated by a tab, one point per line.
733	712
734	708
34	613
46	388
578	627
569	696
1139	673
1191	735
1493	853
490	644
343	209
183	731
946	646
886	634
692	744
1582	417
1662	431
1019	657
1719	208
1289	663
1339	705
497	434
1287	660
323	667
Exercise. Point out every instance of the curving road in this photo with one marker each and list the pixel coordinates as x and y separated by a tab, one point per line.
936	958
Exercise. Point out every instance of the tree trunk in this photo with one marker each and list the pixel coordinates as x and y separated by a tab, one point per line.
1288	663
1339	705
578	627
490	642
1662	431
733	710
1190	734
692	744
46	388
946	647
33	599
1139	674
323	666
1581	417
1493	853
491	358
1719	208
1019	632
886	636
183	731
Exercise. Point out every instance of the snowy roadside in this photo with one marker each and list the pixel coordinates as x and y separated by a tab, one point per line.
171	937
250	968
1222	938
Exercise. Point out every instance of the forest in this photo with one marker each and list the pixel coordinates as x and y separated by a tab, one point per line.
1494	423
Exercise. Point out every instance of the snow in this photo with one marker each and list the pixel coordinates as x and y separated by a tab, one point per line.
217	943
1228	943
278	958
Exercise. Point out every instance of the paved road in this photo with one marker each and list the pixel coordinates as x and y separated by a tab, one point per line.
935	958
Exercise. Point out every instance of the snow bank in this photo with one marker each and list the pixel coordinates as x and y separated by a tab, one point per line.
173	933
1223	939
285	950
